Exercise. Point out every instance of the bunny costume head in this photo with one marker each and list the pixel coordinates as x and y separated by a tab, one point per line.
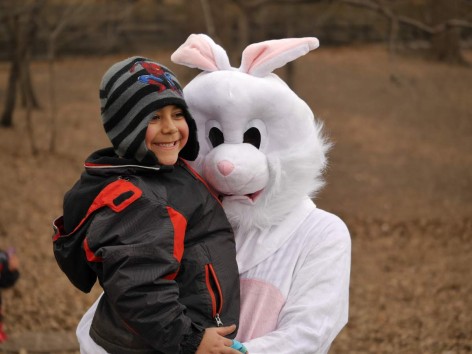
260	146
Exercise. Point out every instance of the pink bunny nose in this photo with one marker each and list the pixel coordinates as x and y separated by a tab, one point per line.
225	167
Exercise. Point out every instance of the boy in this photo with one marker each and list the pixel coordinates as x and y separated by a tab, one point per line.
146	225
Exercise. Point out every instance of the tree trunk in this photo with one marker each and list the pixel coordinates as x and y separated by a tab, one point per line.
207	15
21	37
10	100
27	90
445	45
52	91
30	127
26	37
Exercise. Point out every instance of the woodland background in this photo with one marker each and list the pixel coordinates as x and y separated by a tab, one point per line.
391	81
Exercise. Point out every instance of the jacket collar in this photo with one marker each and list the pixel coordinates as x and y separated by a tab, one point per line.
106	162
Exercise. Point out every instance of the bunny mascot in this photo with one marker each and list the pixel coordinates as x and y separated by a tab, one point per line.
263	153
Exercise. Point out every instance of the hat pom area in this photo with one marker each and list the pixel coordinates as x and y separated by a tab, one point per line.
130	93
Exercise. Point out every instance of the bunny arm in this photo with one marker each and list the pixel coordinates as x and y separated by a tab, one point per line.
316	308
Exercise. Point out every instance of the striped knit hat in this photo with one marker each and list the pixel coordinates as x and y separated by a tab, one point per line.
130	93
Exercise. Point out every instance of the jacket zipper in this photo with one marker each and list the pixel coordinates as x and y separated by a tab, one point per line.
216	295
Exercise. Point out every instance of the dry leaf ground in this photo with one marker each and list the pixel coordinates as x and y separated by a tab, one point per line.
400	175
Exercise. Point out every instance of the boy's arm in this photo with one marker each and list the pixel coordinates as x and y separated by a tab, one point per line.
317	304
135	253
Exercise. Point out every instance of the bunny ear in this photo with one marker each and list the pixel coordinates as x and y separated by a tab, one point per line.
260	59
200	51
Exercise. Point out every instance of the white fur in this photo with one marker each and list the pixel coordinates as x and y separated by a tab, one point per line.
292	176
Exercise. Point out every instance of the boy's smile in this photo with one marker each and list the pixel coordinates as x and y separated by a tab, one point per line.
167	134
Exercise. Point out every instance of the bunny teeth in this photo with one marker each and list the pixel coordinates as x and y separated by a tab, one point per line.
254	196
251	196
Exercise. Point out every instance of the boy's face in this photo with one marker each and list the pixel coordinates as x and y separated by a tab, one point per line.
167	134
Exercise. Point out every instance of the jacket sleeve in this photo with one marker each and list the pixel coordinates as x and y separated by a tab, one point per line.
136	253
317	304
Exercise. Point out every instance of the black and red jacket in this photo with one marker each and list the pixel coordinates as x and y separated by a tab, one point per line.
161	247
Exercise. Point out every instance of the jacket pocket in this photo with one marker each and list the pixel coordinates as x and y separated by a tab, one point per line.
216	295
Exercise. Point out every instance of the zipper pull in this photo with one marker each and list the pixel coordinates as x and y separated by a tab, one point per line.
219	323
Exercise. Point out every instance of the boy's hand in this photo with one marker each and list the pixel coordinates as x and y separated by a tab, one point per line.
215	342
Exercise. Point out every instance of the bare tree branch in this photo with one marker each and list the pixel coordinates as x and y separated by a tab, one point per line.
388	13
255	4
210	26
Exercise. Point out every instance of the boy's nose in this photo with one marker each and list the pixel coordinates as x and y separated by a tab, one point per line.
168	125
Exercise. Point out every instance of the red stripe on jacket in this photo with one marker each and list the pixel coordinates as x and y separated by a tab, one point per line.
179	224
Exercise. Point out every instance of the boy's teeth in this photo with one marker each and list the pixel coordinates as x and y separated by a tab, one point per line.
167	144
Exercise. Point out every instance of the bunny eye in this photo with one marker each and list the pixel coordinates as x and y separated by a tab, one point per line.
252	136
216	137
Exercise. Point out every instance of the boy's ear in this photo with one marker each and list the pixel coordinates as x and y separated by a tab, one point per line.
201	52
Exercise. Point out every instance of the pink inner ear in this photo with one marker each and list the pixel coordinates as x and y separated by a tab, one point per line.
260	59
196	52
